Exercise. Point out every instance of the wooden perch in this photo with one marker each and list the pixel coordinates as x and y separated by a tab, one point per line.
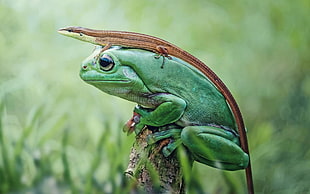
151	170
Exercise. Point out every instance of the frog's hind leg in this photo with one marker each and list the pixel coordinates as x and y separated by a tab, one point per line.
215	147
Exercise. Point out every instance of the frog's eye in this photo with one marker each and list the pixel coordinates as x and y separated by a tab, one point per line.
106	63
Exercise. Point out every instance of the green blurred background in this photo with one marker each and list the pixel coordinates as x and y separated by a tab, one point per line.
60	135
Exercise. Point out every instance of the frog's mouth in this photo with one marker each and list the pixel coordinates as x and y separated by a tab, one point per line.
106	81
95	77
112	81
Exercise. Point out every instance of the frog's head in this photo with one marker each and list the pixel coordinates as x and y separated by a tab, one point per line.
104	71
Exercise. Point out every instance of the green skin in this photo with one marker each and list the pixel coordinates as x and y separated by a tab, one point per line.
177	98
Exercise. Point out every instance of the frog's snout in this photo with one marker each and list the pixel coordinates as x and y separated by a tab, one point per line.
87	66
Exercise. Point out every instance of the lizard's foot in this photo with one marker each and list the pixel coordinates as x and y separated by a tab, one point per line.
162	51
157	56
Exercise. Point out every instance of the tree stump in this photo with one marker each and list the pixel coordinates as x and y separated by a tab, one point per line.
151	170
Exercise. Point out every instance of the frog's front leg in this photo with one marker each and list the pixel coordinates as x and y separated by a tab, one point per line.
168	109
215	147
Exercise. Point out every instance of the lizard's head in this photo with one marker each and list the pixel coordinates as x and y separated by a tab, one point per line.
79	33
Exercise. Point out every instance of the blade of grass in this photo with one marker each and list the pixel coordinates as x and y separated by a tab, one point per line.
53	128
65	162
6	169
96	161
29	128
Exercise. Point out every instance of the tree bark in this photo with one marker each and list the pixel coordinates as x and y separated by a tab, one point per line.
151	170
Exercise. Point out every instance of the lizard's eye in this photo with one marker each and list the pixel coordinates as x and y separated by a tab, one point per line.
106	63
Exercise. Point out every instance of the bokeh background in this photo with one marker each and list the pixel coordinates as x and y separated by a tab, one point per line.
60	135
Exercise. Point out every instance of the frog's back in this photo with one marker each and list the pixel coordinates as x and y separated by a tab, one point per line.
205	104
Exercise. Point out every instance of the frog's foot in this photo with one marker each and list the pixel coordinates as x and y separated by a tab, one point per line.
175	134
167	150
157	136
133	124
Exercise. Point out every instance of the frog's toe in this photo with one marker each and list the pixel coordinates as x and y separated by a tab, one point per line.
150	139
167	150
157	136
139	128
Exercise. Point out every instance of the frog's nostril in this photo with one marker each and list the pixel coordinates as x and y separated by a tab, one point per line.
84	67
